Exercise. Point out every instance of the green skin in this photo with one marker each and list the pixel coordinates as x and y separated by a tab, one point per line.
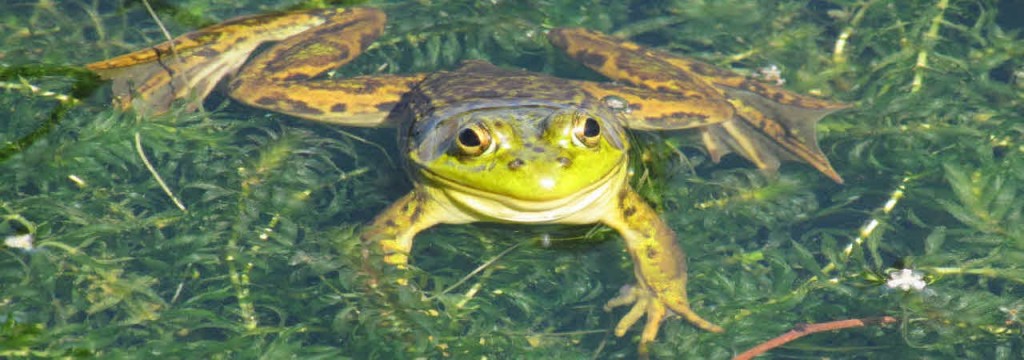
489	144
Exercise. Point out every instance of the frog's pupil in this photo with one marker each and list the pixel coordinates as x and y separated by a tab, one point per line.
468	137
590	128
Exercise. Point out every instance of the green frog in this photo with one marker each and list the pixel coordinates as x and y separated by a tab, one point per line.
487	144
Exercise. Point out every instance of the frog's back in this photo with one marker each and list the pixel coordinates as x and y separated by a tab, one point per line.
480	85
444	101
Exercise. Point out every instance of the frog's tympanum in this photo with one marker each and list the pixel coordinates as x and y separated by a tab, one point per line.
490	144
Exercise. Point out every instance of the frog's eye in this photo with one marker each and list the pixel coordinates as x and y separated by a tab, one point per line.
586	132
474	140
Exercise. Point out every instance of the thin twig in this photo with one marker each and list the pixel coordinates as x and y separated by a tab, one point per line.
802	330
156	175
163	29
477	270
871	225
865	231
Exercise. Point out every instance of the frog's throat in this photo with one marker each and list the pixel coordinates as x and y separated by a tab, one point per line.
464	204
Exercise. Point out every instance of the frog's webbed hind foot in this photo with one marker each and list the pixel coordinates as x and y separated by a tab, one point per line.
767	132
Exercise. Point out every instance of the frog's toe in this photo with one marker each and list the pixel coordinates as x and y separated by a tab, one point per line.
644	303
394	253
626	296
631	317
680	306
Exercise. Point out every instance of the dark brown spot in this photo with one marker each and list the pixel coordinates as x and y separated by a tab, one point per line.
390	223
564	161
488	94
516	164
367	39
557	38
266	101
299	107
206	52
326	32
591	59
629	211
652	252
386	106
369	86
664	89
703	69
417	211
670	118
296	77
339	108
537	149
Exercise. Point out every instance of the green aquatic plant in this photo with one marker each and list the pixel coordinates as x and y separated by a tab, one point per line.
232	232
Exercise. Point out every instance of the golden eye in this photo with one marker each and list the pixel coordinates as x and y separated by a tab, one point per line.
473	140
586	132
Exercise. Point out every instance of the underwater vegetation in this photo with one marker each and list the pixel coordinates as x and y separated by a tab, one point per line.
233	232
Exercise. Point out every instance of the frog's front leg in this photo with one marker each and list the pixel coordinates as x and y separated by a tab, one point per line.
392	231
660	268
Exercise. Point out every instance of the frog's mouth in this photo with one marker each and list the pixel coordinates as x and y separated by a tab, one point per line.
585	205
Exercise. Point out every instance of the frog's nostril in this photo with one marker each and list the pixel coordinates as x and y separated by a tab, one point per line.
516	164
564	161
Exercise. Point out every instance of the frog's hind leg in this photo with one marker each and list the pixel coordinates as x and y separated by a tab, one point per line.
773	122
192	64
281	78
313	41
763	123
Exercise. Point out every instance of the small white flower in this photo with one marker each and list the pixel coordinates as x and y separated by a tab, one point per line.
23	241
906	280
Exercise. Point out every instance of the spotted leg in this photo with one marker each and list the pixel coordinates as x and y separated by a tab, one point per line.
391	233
283	78
660	268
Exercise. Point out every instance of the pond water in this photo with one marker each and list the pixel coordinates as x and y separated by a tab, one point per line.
234	232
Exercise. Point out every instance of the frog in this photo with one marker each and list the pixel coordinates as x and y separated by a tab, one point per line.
484	143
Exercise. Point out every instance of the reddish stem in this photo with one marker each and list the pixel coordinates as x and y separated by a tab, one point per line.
800	330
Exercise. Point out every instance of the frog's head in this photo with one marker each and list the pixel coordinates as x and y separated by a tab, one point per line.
521	156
